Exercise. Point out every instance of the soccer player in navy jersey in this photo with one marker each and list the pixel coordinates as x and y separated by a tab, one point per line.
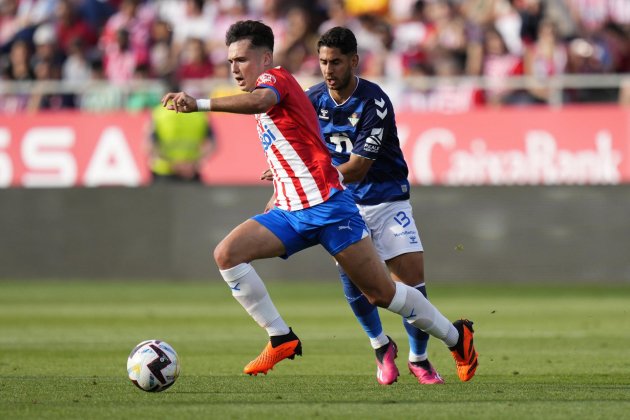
358	123
311	207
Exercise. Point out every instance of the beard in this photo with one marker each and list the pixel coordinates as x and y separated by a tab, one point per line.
344	81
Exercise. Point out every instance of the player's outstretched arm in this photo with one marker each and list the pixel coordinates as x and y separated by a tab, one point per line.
256	102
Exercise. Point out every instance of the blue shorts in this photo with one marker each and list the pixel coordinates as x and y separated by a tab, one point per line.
335	224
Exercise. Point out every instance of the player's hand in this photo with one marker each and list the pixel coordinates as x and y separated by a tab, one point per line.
185	170
266	175
179	102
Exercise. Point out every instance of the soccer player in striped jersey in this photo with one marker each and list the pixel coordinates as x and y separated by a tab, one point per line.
358	123
312	206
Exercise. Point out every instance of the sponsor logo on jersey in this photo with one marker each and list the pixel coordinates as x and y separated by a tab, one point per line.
408	233
266	136
266	79
323	114
354	119
373	143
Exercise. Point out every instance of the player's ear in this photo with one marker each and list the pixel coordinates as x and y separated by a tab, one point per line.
268	58
354	61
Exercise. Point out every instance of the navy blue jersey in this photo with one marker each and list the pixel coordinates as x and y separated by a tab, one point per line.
364	125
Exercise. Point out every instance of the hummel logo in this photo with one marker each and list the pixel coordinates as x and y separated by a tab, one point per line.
381	104
323	114
236	287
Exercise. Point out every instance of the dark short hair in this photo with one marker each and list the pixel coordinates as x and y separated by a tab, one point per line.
259	34
339	37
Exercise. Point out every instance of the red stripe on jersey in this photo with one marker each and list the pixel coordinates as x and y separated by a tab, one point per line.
321	158
298	185
279	186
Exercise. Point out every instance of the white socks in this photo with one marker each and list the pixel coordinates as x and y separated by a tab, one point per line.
411	304
379	341
250	291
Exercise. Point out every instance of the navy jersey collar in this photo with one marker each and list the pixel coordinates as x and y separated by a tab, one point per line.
349	97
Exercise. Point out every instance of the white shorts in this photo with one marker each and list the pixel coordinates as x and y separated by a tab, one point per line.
392	228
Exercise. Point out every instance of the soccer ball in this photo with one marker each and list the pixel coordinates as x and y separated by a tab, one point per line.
153	366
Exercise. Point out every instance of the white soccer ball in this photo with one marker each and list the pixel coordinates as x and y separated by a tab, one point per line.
153	366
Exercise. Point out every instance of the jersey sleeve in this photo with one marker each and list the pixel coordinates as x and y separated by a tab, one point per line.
273	81
375	121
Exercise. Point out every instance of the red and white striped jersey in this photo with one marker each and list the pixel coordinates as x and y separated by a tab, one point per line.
303	173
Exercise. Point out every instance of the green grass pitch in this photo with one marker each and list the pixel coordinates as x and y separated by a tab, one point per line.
546	351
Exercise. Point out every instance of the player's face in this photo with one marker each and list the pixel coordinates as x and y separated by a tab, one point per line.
337	68
247	63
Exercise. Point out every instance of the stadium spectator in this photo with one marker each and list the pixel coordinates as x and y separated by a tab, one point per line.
498	64
544	58
162	60
298	54
590	56
338	16
230	11
121	60
142	94
11	25
71	26
311	207
448	30
273	13
76	67
531	14
46	45
180	145
98	95
136	18
196	21
590	16
194	61
17	69
36	12
375	40
42	66
616	38
413	39
97	12
46	70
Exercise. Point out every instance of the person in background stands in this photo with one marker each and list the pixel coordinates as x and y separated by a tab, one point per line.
180	145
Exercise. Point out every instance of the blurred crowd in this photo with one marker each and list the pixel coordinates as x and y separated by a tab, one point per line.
175	41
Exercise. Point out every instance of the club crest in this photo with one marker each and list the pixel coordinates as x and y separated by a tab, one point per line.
354	119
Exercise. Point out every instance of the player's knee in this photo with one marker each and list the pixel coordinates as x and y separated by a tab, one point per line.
378	298
223	256
381	294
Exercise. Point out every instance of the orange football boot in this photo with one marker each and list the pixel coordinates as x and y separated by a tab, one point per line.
464	351
270	356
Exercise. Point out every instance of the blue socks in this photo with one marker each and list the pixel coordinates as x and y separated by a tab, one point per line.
367	315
